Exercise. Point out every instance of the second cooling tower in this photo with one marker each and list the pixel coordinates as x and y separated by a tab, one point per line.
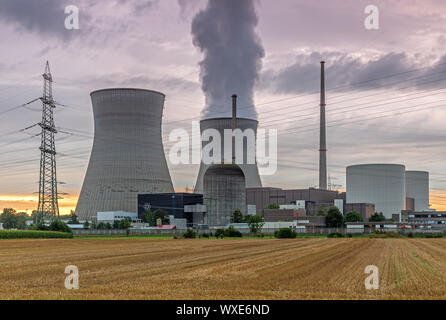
381	184
417	187
127	157
250	171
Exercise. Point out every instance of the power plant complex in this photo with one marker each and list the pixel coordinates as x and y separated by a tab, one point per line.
128	173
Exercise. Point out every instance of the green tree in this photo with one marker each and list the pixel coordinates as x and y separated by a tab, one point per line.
21	218
108	226
322	210
237	217
377	217
125	223
334	218
151	216
353	216
255	223
59	225
101	226
273	205
115	224
73	218
86	224
8	218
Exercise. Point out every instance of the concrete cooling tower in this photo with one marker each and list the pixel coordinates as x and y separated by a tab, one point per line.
417	187
381	184
250	171
127	157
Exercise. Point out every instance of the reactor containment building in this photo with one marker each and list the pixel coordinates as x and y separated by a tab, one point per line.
127	157
250	170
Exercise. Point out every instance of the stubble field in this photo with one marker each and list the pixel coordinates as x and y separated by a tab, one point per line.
223	269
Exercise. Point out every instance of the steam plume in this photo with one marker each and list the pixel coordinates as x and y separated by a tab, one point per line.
225	32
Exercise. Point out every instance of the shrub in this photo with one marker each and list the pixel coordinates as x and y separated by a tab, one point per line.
335	235
410	235
58	225
232	232
204	235
285	233
35	234
349	235
219	233
434	235
190	234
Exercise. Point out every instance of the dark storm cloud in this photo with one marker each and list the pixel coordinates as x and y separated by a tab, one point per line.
44	17
344	71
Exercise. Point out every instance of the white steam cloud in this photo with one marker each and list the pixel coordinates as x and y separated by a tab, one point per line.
225	32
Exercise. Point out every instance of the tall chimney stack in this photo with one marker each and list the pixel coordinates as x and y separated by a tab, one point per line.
234	124
322	136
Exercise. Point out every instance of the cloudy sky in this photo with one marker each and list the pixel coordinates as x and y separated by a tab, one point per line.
386	88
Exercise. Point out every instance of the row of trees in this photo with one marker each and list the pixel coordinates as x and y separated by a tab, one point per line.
255	222
123	224
335	219
13	220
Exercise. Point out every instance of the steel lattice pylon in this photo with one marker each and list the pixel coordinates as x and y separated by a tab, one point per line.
48	205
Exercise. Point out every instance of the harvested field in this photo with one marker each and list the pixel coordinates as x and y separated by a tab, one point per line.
223	269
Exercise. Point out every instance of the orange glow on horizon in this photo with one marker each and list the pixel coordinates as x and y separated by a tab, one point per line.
27	203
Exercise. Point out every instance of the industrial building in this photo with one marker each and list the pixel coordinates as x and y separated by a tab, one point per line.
434	219
112	216
175	204
224	192
314	198
127	157
383	185
417	188
366	210
250	171
389	187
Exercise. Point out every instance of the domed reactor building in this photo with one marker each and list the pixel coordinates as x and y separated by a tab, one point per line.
250	171
127	157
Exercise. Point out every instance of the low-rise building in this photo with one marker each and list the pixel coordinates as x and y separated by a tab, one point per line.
311	198
112	216
366	210
436	219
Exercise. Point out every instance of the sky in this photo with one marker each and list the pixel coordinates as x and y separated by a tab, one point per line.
386	88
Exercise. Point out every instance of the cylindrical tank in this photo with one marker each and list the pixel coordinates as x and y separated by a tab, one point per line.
417	187
381	184
251	171
224	192
127	156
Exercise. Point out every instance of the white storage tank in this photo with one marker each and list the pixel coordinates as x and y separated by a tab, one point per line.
381	184
417	187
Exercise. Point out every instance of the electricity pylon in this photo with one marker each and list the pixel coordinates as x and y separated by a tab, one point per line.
48	205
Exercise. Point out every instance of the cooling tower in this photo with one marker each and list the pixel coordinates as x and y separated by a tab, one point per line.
127	157
381	184
224	192
417	187
250	171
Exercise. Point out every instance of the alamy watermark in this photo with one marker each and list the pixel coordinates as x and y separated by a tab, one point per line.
72	280
372	281
72	20
211	147
371	22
